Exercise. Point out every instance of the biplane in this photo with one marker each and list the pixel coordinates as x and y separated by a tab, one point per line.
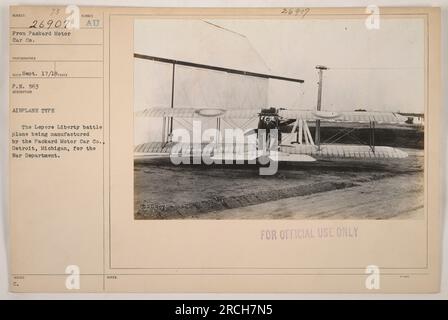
292	126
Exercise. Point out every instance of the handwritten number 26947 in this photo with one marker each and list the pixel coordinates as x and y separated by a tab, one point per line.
300	12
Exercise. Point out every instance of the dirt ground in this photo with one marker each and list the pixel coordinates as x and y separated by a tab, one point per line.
356	189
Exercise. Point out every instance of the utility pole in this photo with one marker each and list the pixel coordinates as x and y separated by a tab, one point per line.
319	103
170	125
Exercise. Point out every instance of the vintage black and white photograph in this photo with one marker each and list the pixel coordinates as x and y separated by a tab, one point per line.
306	118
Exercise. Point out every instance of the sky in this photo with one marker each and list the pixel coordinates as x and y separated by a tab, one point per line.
372	69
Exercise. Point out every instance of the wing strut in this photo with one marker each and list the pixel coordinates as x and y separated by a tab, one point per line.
172	103
301	132
372	136
164	130
218	130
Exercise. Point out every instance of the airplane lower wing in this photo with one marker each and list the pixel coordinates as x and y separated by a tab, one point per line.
279	156
291	153
289	157
344	151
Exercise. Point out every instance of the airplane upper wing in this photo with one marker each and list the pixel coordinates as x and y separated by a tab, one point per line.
307	115
189	113
344	116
